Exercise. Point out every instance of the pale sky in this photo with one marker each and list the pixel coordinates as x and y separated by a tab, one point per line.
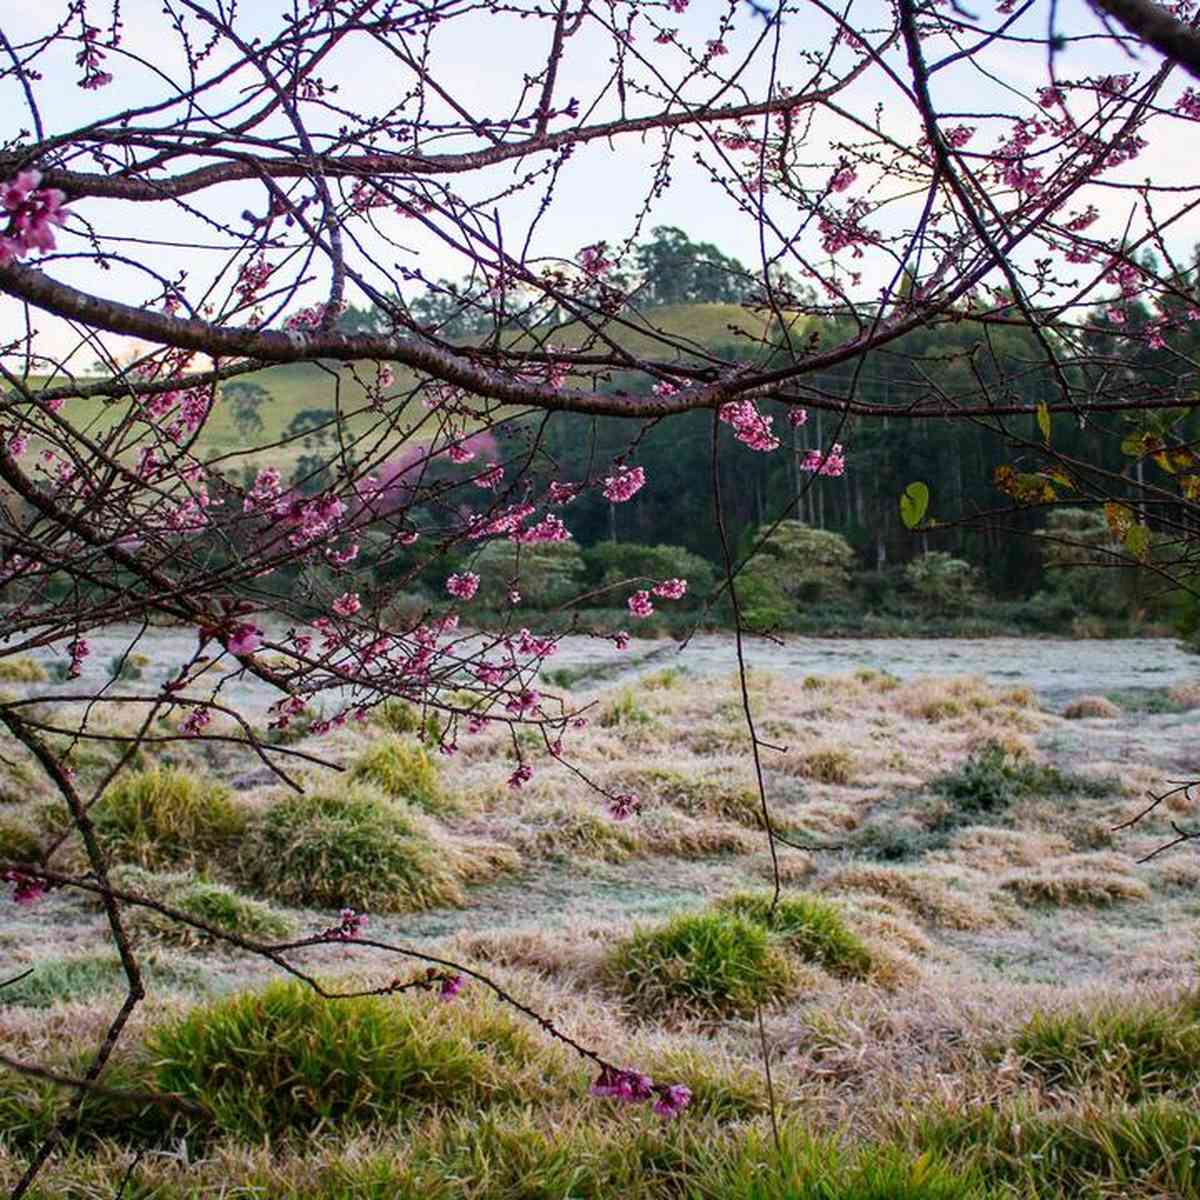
603	188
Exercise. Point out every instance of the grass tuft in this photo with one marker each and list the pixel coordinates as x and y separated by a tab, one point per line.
21	669
285	1062
1132	1052
812	929
355	848
405	772
702	965
162	817
213	903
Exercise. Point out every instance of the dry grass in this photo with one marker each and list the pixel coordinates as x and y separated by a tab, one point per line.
927	896
1078	879
1091	706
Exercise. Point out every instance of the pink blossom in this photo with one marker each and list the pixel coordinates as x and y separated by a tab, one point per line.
78	650
451	986
463	585
549	529
842	179
621	640
490	478
26	889
514	597
623	485
671	589
244	639
460	453
833	463
717	48
623	1084
193	724
562	493
673	1100
1188	105
640	604
749	425
957	136
797	417
624	805
347	604
524	703
520	777
32	210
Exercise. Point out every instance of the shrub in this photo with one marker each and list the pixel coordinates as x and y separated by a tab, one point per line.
351	848
813	930
611	563
161	817
805	564
404	772
993	779
703	964
1134	1052
21	669
213	903
128	666
545	573
285	1061
942	582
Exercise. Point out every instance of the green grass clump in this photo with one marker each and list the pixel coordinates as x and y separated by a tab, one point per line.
1133	1052
405	772
702	964
400	717
623	710
354	847
86	977
21	669
213	903
1139	1152
813	930
993	779
284	1061
161	817
18	842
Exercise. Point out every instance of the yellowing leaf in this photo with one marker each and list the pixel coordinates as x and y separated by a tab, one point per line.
1137	542
1043	420
1119	519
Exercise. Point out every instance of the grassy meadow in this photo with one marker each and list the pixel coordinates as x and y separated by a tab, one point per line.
967	990
334	388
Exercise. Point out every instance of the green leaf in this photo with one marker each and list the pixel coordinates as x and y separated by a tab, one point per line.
913	503
1137	541
1133	444
1043	420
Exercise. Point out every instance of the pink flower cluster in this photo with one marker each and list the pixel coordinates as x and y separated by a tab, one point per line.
632	1087
520	777
78	650
32	210
749	425
243	639
833	463
350	925
624	805
640	604
463	584
26	889
624	484
347	604
671	589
